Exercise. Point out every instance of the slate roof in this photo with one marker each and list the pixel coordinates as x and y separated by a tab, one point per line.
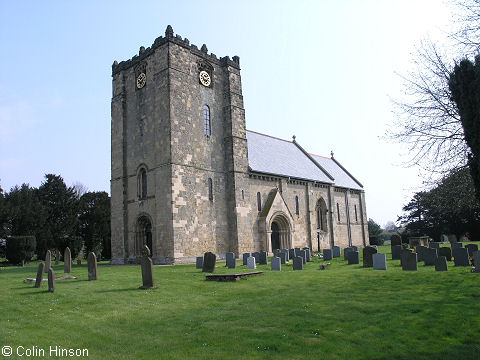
270	155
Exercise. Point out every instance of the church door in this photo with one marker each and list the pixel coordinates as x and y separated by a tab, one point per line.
275	236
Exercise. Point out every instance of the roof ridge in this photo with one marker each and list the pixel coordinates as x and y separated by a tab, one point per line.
325	157
270	136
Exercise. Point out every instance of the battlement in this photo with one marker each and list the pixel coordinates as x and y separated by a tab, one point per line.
178	40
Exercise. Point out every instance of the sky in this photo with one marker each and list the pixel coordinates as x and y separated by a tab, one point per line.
324	71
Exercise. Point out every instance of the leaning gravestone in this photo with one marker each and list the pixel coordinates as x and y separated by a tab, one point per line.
336	251
460	257
368	252
283	257
471	249
38	280
445	251
303	255
410	261
276	264
199	262
251	263
327	254
456	245
346	251
396	252
51	280
429	256
441	263
209	260
48	261
353	258
231	262
147	269
67	261
476	261
245	257
297	263
379	261
92	266
263	258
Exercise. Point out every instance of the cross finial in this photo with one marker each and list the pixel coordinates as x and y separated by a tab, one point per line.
331	153
294	137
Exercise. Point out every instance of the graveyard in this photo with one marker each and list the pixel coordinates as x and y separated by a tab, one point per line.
342	312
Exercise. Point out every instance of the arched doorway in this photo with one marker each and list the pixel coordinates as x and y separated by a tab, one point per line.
280	237
143	235
275	236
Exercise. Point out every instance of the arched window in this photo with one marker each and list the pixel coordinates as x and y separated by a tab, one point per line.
206	120
297	210
142	184
356	218
321	215
338	212
259	201
210	189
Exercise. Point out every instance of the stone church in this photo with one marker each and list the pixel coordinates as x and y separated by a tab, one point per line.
188	177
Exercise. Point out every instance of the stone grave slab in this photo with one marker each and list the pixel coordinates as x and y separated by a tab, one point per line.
368	252
251	263
327	254
230	260
396	252
263	258
40	271
199	262
353	257
445	251
297	263
51	280
245	257
471	249
48	261
410	262
476	261
379	261
209	260
276	264
460	256
67	261
456	245
429	256
441	263
92	266
336	251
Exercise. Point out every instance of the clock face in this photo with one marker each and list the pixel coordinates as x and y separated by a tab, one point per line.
205	79
141	80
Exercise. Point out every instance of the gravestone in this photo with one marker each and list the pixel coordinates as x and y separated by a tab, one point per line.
441	263
420	250
245	257
92	266
355	248
434	245
395	241
379	261
460	256
476	261
456	245
209	260
291	253
410	261
396	252
368	252
231	262
297	263
251	263
276	264
67	261
57	257
283	257
353	257
327	254
303	255
48	261
471	248
256	255
287	254
199	262
308	253
51	280
38	280
263	258
429	256
276	252
403	257
445	251
147	269
336	251
297	251
346	251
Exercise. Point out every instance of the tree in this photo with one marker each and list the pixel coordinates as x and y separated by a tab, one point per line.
374	233
465	87
94	222
60	204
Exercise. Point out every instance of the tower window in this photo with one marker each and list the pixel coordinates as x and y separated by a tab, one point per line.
243	195
259	201
206	120
356	219
142	184
338	212
210	189
297	210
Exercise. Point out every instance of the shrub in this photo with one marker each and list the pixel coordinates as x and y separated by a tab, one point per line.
3	246
20	248
75	244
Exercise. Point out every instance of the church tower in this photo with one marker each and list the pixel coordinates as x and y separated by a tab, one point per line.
179	153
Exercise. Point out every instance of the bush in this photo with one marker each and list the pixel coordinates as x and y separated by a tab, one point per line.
75	244
20	248
3	247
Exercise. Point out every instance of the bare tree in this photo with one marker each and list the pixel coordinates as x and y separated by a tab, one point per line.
79	189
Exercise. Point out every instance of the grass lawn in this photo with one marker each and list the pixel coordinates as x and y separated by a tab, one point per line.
344	312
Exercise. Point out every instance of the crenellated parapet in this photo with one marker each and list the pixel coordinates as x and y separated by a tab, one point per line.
178	40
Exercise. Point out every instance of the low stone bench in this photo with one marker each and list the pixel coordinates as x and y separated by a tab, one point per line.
231	277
